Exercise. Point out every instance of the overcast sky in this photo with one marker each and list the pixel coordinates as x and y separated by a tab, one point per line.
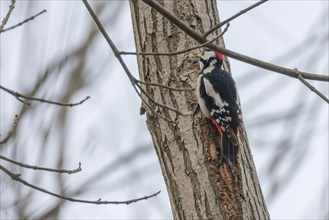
108	127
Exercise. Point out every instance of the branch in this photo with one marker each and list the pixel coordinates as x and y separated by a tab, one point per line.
17	177
150	108
268	66
312	88
165	87
20	96
246	59
41	168
181	51
23	22
162	105
205	35
12	130
6	18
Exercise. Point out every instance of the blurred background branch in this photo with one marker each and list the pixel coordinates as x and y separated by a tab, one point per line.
23	22
11	131
19	97
40	168
6	18
287	125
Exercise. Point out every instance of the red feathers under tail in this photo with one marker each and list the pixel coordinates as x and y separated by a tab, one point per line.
230	150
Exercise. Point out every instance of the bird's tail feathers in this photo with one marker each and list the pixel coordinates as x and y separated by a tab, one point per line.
230	150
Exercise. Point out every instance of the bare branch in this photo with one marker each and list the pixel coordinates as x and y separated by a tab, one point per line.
12	130
246	59
312	88
23	22
17	177
205	35
165	87
20	96
6	18
162	105
178	52
150	108
41	168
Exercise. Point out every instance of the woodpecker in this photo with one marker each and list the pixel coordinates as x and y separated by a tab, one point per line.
219	101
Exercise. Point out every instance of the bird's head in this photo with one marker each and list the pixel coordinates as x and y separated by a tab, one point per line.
209	58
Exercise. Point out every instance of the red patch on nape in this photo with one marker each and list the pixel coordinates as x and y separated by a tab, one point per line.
219	56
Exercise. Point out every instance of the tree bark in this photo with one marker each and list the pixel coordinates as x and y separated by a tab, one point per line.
201	185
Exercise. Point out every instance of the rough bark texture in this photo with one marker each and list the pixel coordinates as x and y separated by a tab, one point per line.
200	183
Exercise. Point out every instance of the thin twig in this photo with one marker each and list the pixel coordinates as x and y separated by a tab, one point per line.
162	105
19	96
246	59
17	177
12	131
165	87
6	18
41	168
312	88
23	22
150	107
177	52
205	35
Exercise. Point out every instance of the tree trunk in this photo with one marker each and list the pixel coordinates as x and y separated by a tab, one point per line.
201	185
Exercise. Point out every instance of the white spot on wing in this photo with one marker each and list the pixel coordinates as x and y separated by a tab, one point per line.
227	119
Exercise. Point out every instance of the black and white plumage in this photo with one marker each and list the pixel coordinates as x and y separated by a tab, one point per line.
219	100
